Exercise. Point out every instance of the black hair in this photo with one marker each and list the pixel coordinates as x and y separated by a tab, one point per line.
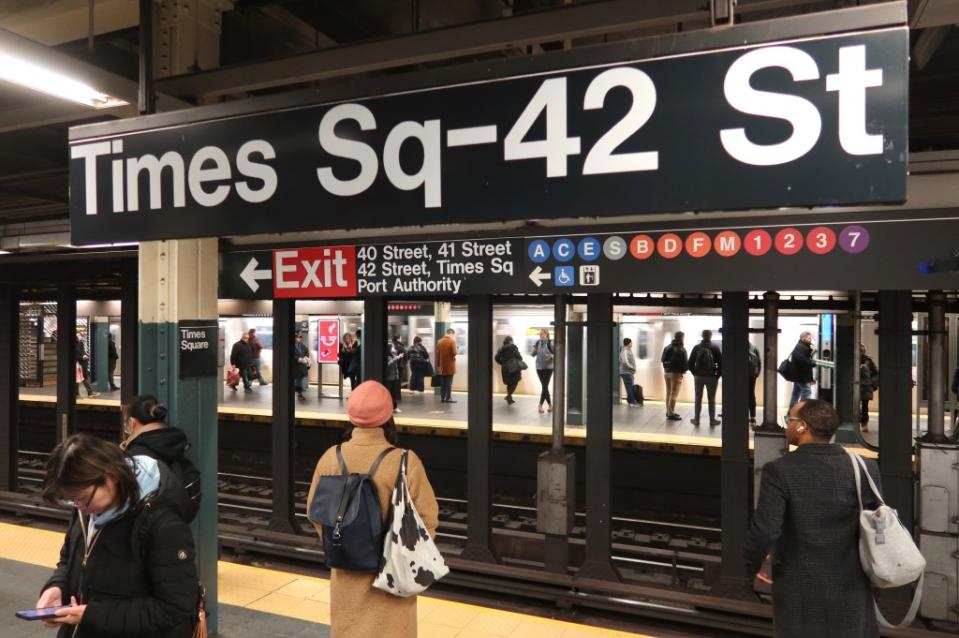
707	335
83	461
389	431
417	339
679	335
627	341
147	409
821	418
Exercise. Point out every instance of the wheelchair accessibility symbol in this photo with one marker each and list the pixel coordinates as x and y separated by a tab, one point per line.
564	276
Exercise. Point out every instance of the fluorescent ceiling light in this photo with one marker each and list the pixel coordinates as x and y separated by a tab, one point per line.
39	78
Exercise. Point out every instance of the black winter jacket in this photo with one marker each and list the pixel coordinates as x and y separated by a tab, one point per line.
674	358
241	355
168	445
868	377
802	362
140	578
505	354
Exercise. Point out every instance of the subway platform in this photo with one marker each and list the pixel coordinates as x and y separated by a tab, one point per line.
257	602
645	425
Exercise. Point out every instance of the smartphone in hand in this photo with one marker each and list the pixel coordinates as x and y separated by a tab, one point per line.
44	613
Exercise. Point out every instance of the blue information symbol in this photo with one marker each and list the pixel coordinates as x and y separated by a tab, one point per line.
538	251
564	250
589	249
564	276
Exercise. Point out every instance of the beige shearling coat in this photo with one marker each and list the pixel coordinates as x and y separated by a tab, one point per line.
356	609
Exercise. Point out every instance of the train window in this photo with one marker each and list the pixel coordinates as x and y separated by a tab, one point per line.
642	343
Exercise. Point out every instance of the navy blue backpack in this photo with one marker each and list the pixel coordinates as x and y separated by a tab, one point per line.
348	508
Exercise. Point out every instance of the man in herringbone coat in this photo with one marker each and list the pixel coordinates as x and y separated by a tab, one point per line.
808	517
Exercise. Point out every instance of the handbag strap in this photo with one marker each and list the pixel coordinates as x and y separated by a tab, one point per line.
339	458
910	614
857	463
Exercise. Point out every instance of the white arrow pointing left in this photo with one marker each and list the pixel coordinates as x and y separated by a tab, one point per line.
250	274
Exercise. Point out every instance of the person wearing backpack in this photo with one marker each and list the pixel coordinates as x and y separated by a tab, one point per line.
808	518
511	366
358	610
126	568
147	434
868	384
802	364
705	362
675	365
755	368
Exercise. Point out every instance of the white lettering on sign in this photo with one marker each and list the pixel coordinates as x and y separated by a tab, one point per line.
851	83
315	272
192	340
208	164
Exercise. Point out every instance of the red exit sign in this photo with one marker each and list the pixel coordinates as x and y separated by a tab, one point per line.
326	271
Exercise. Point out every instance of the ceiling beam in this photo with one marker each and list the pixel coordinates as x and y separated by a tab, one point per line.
926	44
566	22
933	13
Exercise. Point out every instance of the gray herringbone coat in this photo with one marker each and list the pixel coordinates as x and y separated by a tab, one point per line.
808	515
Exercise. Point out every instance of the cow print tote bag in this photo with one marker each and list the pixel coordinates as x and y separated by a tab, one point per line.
411	560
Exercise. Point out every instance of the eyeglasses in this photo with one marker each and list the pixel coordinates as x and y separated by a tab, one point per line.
787	418
75	502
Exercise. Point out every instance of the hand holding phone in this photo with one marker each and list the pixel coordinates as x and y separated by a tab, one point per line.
42	613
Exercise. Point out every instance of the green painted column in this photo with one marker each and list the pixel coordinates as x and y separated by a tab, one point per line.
178	282
574	369
99	330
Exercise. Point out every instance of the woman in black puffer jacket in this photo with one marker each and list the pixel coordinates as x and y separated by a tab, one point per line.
127	564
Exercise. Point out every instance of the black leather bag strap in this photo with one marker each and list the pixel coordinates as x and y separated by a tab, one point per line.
379	459
339	458
349	491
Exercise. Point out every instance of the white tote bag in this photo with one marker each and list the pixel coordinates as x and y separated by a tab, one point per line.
887	552
411	560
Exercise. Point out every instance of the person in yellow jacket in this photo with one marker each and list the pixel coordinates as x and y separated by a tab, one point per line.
357	610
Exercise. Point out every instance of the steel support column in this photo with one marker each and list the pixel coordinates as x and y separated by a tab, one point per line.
9	386
769	440
479	534
374	339
735	470
129	339
599	438
846	355
574	375
283	518
99	343
895	401
66	360
937	369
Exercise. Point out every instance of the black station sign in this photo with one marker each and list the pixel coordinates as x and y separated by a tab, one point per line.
811	121
792	252
198	344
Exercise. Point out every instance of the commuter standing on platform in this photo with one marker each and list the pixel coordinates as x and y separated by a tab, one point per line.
126	567
257	349
706	361
356	369
357	609
112	357
446	365
808	518
675	365
241	357
802	367
83	362
543	353
419	362
346	357
755	368
868	384
511	366
402	362
301	369
627	368
393	359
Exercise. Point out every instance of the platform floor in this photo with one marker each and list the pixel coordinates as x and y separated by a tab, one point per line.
261	603
647	424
